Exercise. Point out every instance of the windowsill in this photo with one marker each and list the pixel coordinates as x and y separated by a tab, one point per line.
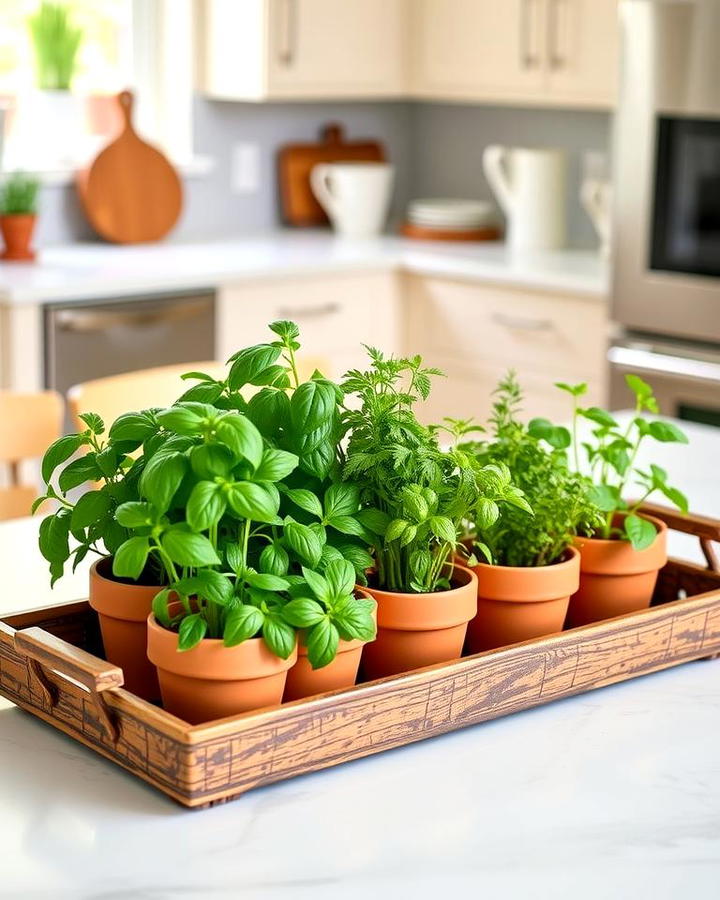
197	167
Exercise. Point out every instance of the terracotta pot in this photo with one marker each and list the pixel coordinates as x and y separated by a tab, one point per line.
304	681
213	681
614	578
416	630
123	608
518	603
17	232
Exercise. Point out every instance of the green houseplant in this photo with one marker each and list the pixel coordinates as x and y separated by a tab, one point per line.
18	214
416	497
621	557
528	568
56	42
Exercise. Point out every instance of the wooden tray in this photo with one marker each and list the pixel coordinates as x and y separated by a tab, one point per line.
200	765
295	162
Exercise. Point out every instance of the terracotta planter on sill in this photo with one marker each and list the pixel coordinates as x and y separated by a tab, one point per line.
416	630
614	578
519	603
213	681
17	232
123	607
304	681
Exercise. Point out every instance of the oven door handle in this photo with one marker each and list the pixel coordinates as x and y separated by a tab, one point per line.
664	364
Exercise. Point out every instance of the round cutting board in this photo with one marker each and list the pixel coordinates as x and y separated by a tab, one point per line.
130	193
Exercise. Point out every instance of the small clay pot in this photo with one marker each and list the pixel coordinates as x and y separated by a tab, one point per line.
304	681
213	681
416	630
519	603
123	608
17	231
614	578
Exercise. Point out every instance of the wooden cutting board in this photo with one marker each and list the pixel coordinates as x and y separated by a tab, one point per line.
295	162
130	193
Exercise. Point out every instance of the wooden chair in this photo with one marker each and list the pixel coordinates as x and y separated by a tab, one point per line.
117	394
29	423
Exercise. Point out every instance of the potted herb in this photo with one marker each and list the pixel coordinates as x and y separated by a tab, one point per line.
415	497
57	113
85	524
620	559
528	567
18	213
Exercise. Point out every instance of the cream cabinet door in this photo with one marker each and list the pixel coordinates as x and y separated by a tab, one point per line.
336	315
477	49
583	51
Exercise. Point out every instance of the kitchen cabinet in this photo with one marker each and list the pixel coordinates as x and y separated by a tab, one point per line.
475	332
303	49
544	52
336	314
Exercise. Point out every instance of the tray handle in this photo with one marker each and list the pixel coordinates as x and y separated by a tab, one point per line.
46	651
706	529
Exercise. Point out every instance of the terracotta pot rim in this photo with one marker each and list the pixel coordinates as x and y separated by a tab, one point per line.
572	553
600	556
119	600
434	611
660	527
527	584
211	660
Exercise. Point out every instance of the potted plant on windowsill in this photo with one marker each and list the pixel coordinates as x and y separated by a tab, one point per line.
528	568
18	213
415	497
56	117
620	559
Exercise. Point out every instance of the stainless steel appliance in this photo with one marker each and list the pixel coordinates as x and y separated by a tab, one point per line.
666	272
85	340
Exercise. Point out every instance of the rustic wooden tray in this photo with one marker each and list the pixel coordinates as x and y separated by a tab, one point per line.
50	666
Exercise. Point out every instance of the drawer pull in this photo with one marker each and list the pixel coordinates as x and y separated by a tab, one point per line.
308	312
522	323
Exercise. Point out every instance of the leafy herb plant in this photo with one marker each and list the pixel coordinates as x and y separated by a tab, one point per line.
56	42
416	496
560	498
18	195
612	455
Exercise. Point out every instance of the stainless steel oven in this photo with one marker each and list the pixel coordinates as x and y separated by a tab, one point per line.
666	225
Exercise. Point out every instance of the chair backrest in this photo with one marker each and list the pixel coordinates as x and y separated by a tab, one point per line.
29	423
117	394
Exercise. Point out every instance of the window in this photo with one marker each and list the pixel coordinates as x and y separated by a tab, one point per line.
142	44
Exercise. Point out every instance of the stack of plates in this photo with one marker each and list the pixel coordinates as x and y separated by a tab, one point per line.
459	215
449	219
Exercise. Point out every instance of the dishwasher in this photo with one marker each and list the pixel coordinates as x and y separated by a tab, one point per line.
88	340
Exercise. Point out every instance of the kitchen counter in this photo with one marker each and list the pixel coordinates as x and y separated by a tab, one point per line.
615	793
95	271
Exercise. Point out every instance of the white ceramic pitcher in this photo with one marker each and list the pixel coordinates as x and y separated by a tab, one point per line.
530	187
355	195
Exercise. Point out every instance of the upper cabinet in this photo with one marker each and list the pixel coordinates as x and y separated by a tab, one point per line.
303	49
544	52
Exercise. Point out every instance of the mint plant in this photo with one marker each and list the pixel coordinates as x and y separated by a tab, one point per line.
560	499
416	496
611	456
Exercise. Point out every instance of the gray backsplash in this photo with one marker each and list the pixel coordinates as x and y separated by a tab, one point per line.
436	149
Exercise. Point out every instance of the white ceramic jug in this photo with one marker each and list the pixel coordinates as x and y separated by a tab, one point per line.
530	187
355	195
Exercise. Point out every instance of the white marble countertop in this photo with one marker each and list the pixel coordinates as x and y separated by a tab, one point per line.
93	271
611	794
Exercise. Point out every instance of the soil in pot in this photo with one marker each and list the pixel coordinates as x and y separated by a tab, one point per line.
304	681
123	607
416	630
17	231
614	578
518	603
213	681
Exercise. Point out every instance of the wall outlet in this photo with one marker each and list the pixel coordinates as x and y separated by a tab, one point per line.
245	168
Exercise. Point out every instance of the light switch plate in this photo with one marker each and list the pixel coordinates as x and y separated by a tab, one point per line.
245	168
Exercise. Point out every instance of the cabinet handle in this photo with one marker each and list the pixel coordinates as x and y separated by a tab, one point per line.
80	322
528	59
288	31
523	323
308	312
555	56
